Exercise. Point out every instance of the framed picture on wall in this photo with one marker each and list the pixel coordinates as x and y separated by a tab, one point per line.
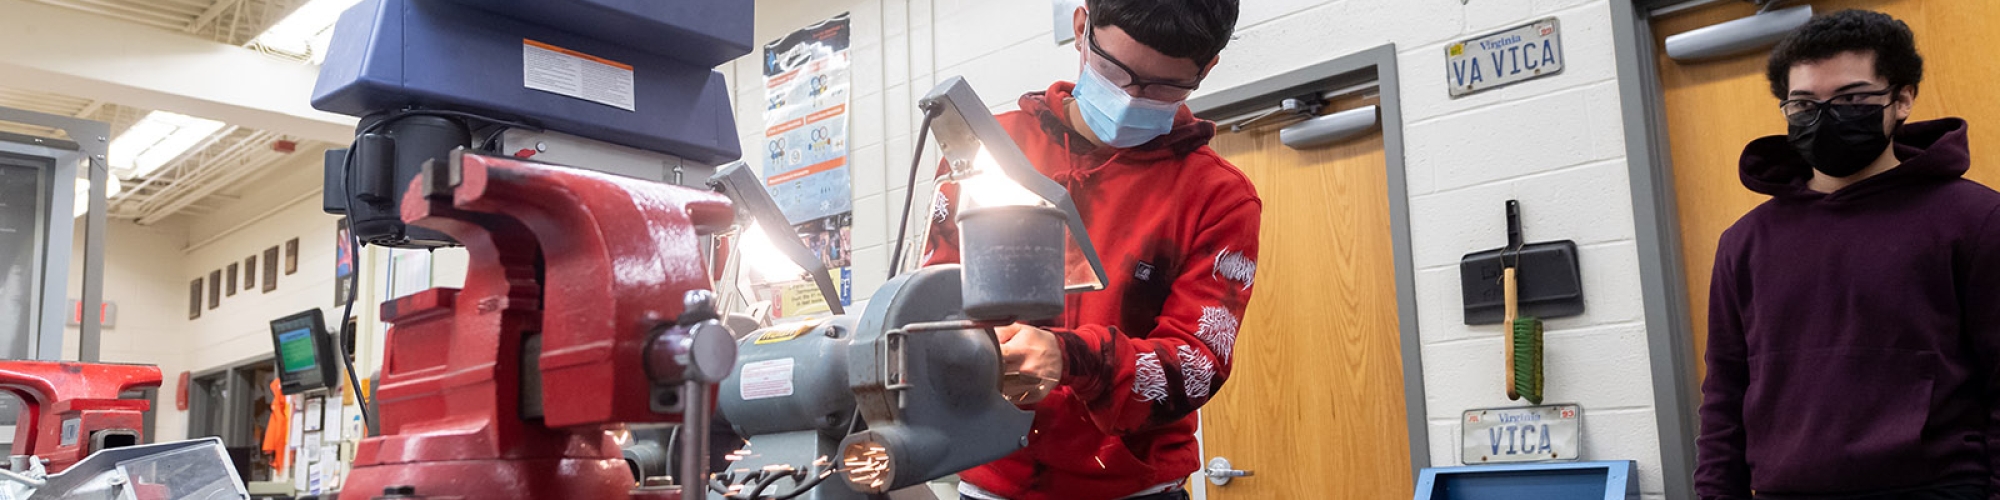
230	288
214	289
270	269
249	273
343	264
291	256
194	298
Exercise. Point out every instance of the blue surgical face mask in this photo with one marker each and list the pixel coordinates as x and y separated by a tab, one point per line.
1118	118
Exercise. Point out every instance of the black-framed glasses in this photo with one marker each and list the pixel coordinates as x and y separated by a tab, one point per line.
1849	106
1155	89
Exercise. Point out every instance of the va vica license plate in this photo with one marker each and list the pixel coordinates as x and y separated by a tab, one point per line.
1529	434
1523	53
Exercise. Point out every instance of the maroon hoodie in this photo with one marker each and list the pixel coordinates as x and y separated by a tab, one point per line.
1853	335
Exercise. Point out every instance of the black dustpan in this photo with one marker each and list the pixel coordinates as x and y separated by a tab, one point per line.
1548	277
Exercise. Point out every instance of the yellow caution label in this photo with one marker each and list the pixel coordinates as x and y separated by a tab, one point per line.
781	335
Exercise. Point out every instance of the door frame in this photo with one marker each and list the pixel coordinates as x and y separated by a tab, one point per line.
1379	65
235	430
1669	332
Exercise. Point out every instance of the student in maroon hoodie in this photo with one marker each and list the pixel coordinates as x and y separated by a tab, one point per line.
1176	227
1855	317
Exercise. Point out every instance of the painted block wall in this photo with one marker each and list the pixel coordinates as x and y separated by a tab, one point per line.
142	276
1556	144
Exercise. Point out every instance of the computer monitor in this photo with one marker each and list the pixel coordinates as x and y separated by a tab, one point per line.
304	352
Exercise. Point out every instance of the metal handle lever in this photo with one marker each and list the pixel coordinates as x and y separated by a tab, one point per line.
1219	472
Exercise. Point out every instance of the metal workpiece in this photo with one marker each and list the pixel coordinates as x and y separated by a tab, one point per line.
1014	261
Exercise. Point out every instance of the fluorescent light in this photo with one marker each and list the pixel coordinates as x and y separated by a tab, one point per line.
307	30
157	139
83	193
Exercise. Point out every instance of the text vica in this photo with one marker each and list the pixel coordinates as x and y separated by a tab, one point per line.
1528	439
1504	63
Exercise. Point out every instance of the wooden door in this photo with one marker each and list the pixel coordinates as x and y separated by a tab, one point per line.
1314	407
1715	108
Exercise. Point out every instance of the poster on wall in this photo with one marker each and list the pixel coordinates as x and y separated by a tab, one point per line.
291	256
230	290
806	89
343	263
831	239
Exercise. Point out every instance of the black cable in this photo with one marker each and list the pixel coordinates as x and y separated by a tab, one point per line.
763	484
910	195
807	486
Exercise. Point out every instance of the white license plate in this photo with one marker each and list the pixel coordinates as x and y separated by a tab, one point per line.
1522	53
1529	434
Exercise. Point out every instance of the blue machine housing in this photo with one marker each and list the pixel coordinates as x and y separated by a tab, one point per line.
440	54
703	32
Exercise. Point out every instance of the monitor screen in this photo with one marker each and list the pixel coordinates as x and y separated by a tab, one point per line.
295	350
303	351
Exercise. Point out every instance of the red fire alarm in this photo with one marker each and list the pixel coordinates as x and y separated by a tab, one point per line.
284	146
181	393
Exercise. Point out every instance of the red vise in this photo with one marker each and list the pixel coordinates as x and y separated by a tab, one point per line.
570	272
72	409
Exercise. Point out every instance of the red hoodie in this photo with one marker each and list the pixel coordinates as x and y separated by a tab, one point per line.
1176	227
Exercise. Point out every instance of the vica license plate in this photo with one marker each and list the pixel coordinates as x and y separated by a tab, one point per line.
1528	434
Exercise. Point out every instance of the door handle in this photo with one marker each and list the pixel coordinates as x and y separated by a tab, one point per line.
1219	472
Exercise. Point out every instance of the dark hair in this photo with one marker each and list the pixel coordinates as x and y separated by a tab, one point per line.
1193	29
1824	37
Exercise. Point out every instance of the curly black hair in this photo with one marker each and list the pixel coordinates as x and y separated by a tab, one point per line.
1192	29
1824	37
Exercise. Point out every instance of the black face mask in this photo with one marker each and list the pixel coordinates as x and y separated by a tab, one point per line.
1838	147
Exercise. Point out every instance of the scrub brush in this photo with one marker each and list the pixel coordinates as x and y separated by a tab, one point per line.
1524	334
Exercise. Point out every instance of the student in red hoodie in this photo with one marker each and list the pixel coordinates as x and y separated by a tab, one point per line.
1855	317
1176	227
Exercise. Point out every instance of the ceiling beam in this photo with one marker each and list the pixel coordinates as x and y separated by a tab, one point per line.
90	109
208	16
53	49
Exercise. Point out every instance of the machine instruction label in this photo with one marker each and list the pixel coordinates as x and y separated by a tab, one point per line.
767	379
557	70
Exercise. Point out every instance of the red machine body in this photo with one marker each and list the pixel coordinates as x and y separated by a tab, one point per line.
570	273
73	409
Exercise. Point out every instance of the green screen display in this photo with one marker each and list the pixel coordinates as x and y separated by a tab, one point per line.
297	351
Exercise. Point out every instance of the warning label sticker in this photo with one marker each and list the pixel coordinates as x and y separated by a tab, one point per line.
557	70
767	379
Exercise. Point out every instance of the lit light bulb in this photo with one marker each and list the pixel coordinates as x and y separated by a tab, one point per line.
763	259
988	186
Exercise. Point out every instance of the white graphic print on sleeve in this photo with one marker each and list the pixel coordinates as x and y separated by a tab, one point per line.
1196	371
1235	267
940	208
1150	383
1218	330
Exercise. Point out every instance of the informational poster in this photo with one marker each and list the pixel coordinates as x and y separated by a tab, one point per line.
830	239
806	84
806	95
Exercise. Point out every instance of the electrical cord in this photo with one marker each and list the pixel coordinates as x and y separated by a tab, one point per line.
910	194
362	398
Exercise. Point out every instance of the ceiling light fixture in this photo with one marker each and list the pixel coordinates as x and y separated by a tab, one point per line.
156	140
306	31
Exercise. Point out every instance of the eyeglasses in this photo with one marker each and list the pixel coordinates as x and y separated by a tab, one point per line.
1155	89
1849	106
